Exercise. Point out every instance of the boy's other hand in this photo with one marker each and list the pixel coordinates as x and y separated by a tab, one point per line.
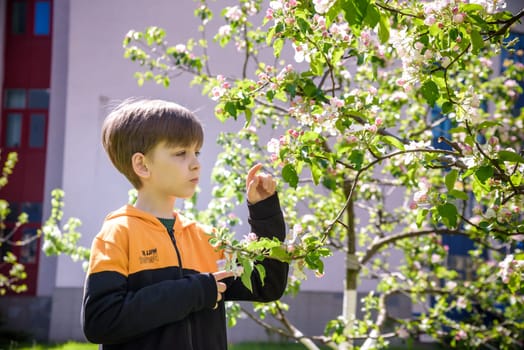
259	186
221	286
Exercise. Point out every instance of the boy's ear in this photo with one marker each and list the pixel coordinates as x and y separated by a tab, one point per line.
139	165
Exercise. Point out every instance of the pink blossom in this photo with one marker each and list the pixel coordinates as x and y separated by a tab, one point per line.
273	146
289	20
269	14
461	334
233	13
275	5
403	333
413	205
250	237
430	20
336	102
352	139
420	196
435	258
378	121
217	92
224	30
462	302
293	133
458	18
493	140
297	229
180	48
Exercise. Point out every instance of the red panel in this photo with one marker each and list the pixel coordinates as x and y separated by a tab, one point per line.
27	64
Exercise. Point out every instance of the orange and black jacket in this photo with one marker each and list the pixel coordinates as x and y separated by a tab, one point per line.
148	289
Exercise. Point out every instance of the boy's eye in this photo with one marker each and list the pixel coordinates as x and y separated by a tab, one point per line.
181	153
197	153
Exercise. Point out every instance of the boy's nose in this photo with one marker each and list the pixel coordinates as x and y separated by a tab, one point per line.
195	164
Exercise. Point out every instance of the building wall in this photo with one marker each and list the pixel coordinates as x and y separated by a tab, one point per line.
3	10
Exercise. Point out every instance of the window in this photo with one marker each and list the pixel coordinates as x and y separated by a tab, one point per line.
18	17
37	131
13	130
13	213
15	98
33	211
42	23
516	55
28	250
39	98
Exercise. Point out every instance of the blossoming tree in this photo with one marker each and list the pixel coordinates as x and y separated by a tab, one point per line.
378	100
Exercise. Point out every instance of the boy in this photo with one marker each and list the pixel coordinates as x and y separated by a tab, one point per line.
153	281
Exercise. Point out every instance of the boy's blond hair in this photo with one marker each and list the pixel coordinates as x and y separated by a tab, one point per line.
139	125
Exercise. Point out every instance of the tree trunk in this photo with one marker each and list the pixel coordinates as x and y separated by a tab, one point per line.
352	268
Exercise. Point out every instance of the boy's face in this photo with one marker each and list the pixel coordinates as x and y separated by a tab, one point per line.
173	170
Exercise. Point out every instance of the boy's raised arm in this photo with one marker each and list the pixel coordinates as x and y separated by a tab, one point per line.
266	220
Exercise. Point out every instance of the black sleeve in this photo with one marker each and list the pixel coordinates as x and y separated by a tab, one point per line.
266	220
112	314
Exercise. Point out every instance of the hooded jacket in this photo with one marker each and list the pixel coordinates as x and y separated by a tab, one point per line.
146	289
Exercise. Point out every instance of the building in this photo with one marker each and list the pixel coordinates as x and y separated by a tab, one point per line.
61	69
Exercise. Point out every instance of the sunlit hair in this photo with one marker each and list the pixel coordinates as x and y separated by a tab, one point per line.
138	125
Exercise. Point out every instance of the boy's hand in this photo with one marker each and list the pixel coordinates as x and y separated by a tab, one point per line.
221	286
259	187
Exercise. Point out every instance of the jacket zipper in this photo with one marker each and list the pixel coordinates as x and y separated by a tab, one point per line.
181	275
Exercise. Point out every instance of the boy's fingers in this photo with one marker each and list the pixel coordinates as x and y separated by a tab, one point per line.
220	275
252	172
221	287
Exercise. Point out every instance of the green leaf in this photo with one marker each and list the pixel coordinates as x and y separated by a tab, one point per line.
421	215
354	11
357	158
484	173
279	253
231	109
430	92
451	178
303	25
459	194
261	272
514	283
289	174
372	15
309	136
393	141
278	44
383	29
509	156
246	274
448	212
447	107
476	41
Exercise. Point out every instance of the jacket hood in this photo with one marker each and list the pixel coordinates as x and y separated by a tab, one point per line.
128	211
